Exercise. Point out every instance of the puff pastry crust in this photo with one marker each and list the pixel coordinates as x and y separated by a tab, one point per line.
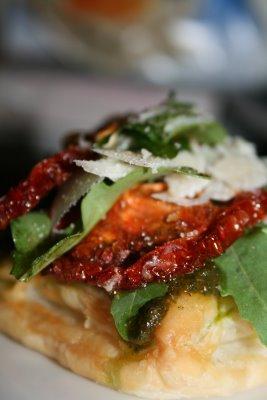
201	348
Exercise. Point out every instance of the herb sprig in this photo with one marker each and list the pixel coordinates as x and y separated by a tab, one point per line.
169	128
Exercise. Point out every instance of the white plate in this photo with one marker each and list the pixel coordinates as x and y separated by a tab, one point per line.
25	375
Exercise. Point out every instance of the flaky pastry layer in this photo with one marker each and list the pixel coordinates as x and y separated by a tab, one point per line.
201	348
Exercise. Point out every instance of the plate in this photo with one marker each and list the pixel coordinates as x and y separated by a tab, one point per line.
25	374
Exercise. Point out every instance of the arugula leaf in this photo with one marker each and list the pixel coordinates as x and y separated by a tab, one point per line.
149	136
94	207
21	263
169	128
126	305
243	269
205	132
211	133
30	230
29	233
51	255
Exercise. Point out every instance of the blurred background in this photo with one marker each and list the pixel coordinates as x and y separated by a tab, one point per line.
67	64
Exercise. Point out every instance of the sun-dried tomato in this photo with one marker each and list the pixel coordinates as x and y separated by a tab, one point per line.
45	176
107	257
134	226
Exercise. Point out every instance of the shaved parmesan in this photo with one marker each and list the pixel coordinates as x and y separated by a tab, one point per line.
184	186
213	191
240	172
220	191
106	168
143	159
233	166
146	159
70	193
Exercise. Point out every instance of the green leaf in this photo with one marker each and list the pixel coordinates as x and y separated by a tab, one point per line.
191	172
210	132
51	255
29	234
21	263
126	305
30	230
243	269
167	129
94	207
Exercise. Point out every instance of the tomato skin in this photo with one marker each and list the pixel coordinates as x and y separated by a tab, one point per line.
115	254
182	256
45	176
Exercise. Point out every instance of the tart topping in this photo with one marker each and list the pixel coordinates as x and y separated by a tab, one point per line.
156	198
134	226
213	231
48	174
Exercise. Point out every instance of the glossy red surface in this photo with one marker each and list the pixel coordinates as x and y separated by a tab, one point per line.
143	240
45	176
183	256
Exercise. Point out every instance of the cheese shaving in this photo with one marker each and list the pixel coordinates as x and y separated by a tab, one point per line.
105	168
147	160
233	166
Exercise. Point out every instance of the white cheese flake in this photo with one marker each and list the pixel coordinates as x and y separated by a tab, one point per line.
105	167
240	171
147	160
233	166
184	186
